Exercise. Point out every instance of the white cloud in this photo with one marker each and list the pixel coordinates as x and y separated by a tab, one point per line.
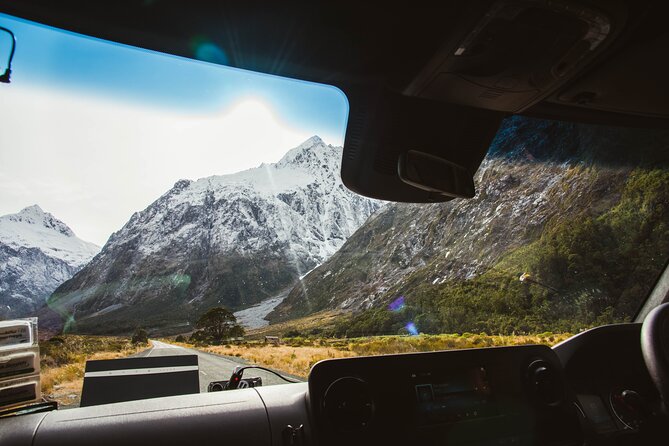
92	162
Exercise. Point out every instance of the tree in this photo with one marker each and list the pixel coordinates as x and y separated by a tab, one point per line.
140	337
217	324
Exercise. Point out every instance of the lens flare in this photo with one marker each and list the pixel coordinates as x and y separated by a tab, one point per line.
411	328
204	49
397	304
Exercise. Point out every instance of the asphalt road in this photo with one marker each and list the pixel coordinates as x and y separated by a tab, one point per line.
212	367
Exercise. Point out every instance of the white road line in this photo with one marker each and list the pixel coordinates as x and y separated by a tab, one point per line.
145	371
164	345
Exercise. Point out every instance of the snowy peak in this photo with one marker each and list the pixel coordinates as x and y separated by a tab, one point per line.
313	153
299	200
311	162
311	144
34	215
34	228
314	140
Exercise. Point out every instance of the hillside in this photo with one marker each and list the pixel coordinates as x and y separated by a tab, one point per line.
575	208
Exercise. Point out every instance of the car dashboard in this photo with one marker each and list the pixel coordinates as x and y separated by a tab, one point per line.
522	395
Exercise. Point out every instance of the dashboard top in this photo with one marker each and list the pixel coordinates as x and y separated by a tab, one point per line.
593	387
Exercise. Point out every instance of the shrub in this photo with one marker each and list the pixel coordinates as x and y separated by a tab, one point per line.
140	337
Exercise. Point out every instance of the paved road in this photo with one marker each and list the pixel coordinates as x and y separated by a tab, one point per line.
212	367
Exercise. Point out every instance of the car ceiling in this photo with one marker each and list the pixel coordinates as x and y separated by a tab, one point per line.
389	45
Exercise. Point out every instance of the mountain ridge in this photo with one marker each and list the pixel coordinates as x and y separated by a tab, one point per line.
228	240
38	252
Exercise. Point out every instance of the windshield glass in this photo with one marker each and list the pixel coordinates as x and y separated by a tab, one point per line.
154	206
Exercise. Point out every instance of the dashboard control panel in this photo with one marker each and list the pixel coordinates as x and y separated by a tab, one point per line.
504	395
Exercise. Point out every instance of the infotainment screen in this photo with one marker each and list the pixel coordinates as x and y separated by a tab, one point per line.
453	396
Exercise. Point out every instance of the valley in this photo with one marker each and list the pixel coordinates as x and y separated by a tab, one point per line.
562	232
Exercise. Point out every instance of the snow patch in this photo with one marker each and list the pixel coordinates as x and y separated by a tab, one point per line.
34	228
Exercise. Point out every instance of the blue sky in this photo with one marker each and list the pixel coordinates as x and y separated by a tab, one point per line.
62	59
94	131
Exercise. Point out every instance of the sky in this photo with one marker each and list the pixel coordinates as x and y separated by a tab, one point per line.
93	131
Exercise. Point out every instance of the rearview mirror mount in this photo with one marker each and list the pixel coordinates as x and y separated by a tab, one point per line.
436	175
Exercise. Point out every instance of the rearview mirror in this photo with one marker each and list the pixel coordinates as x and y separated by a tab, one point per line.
434	174
407	149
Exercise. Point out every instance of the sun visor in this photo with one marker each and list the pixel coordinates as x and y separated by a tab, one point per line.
399	148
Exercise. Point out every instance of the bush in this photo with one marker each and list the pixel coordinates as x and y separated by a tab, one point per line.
140	337
180	338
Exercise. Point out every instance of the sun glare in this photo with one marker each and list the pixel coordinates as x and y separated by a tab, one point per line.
94	139
252	128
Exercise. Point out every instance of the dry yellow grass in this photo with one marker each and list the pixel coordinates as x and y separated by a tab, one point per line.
296	356
382	345
296	361
63	364
319	321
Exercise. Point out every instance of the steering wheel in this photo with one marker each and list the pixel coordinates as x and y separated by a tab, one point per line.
655	349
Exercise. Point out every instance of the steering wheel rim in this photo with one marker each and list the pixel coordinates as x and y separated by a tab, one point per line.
655	349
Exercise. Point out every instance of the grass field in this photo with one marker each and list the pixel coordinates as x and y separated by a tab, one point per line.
63	359
314	324
297	355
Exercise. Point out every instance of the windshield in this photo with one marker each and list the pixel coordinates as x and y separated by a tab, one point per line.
157	206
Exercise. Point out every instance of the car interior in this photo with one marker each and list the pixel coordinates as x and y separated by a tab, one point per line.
428	86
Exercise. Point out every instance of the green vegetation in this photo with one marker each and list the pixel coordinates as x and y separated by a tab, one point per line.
583	272
67	349
140	337
319	325
383	345
216	325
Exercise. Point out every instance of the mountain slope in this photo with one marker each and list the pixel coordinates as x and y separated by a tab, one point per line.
538	181
38	252
229	240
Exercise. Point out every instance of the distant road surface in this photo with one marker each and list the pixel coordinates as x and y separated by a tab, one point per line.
212	367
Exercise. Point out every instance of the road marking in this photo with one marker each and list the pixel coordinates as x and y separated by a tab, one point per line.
150	371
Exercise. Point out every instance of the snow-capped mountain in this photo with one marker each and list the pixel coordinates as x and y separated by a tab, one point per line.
38	252
298	201
229	240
